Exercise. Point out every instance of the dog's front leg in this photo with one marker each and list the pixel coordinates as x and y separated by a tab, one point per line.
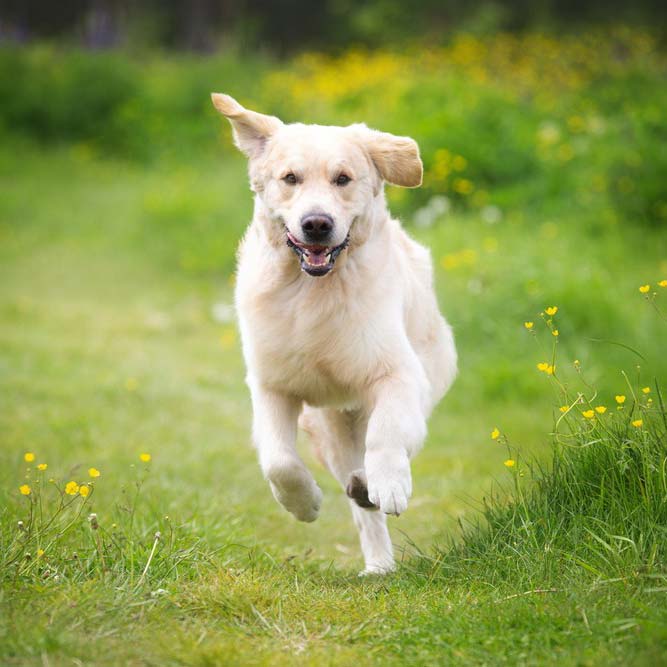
396	431
274	432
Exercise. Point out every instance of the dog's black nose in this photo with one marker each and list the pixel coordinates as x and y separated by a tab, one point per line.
317	227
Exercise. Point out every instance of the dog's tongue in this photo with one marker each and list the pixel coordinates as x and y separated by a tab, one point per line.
317	256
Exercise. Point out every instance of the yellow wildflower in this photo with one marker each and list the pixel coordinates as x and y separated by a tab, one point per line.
25	489
663	283
459	163
589	414
564	408
228	338
620	399
510	463
28	457
40	553
463	186
600	409
528	325
551	310
554	332
638	423
646	390
145	457
71	488
495	434
546	367
42	466
94	472
84	490
644	288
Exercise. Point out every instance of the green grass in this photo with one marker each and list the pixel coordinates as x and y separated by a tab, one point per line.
121	206
108	348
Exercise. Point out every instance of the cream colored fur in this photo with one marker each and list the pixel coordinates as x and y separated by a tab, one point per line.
362	354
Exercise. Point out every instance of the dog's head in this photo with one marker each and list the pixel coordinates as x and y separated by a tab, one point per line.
316	181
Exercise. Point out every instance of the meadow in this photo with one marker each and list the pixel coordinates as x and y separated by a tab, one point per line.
135	528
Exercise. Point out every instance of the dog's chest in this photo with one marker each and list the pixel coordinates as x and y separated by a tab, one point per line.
310	378
322	352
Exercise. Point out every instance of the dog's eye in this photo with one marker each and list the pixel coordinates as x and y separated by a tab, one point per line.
342	179
290	179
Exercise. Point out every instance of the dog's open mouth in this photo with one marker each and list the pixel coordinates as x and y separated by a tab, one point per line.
316	260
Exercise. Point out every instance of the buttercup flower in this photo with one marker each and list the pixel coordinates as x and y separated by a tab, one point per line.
637	423
94	472
620	399
71	488
25	489
42	466
646	390
495	433
551	310
564	408
40	553
510	463
528	325
663	283
84	490
589	414
644	288
555	332
600	409
28	457
145	457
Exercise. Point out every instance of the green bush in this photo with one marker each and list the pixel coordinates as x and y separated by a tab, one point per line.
64	96
560	123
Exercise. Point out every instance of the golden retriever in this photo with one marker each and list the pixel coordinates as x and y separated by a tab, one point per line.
339	322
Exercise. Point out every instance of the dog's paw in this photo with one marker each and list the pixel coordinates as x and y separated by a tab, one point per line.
357	489
378	569
389	480
296	490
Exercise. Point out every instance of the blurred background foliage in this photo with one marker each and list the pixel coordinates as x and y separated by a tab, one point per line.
542	130
291	26
539	118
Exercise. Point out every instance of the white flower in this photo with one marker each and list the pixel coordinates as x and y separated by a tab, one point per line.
223	313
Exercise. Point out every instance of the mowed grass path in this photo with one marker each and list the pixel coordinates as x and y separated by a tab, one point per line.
108	277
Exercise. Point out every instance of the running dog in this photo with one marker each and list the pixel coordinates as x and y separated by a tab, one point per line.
339	321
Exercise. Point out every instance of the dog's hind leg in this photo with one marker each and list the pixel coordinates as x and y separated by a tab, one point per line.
339	440
375	541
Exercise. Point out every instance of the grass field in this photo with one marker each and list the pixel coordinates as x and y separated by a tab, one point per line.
116	340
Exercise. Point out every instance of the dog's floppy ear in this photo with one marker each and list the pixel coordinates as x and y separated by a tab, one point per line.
396	158
251	129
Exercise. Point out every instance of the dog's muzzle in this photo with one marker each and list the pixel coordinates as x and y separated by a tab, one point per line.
316	260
